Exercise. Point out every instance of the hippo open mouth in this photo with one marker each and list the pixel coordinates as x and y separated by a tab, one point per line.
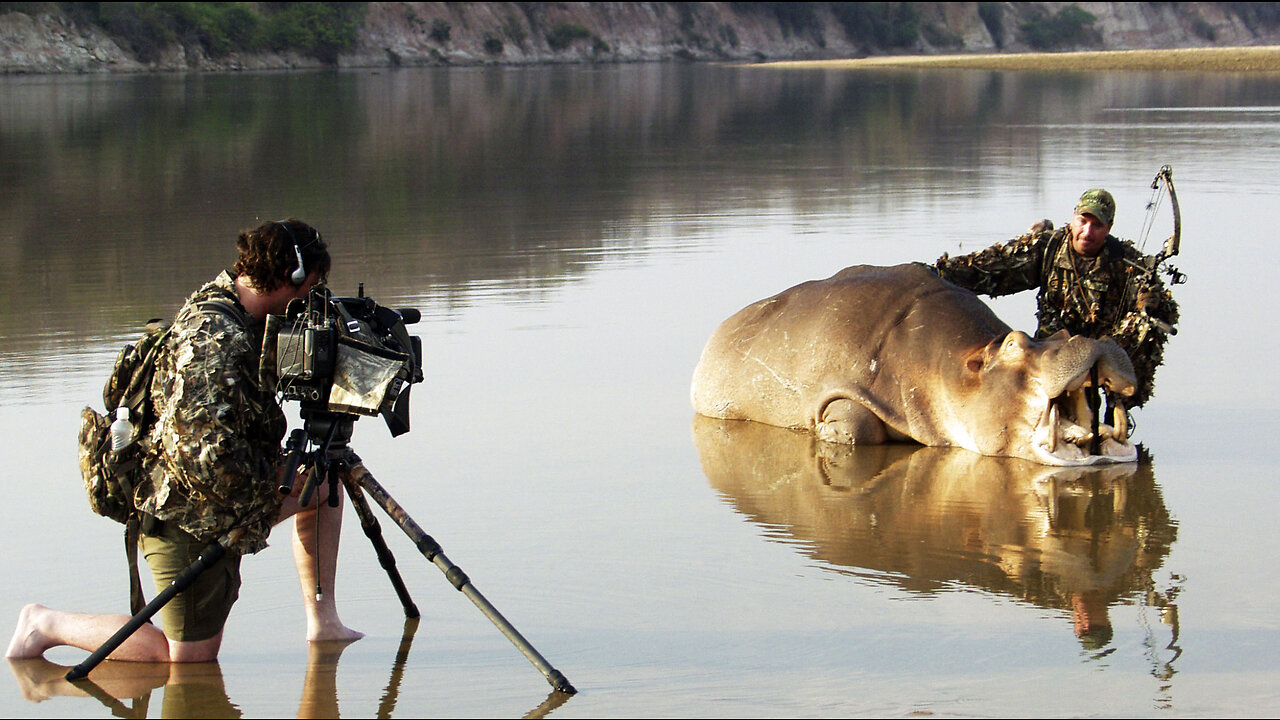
1066	435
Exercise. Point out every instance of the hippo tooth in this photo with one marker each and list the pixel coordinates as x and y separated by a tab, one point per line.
1051	427
1075	434
1080	410
1121	421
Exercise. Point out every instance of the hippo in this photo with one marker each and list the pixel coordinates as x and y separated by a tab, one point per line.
894	354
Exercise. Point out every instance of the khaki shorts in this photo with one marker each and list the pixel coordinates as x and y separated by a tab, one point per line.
200	611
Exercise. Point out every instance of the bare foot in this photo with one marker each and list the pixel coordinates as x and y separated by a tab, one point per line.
333	631
39	679
28	641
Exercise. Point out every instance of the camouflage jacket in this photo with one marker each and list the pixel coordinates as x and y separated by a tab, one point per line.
1099	296
215	444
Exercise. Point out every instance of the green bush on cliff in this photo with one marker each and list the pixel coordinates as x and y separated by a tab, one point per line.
1071	25
440	30
880	24
219	27
145	29
317	29
321	30
564	34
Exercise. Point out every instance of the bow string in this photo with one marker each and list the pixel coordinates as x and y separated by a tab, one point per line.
1161	186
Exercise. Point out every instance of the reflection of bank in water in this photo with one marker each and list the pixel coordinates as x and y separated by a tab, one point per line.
1075	539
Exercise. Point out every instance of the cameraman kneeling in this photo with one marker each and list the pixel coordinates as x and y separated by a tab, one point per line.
215	464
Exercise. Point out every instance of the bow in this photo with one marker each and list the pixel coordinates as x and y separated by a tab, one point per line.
1150	267
1164	178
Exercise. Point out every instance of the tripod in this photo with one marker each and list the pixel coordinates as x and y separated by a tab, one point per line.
334	460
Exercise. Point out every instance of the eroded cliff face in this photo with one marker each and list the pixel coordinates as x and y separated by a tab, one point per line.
420	33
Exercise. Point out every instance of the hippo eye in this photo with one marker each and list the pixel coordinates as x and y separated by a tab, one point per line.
974	364
1015	342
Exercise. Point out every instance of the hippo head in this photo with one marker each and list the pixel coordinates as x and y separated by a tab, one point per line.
1032	397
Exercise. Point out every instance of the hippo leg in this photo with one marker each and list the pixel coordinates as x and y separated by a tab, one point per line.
845	421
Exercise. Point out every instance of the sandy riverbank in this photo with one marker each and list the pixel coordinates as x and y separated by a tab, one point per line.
1232	59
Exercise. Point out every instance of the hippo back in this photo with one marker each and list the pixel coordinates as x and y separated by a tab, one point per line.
775	360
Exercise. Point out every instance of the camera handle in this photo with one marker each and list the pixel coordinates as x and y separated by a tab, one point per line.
296	445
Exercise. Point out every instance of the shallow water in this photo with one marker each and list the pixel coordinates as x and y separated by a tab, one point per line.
572	236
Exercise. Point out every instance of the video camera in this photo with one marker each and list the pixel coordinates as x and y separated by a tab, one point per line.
344	356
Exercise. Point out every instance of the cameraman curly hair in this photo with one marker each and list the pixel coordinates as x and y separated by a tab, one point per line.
268	256
214	459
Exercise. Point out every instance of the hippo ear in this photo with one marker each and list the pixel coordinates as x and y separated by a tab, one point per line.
977	359
983	356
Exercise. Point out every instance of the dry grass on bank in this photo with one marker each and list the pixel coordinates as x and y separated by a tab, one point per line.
1232	59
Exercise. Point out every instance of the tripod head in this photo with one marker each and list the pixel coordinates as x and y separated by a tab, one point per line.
330	433
328	430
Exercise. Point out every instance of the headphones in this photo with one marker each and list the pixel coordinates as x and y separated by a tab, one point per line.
299	274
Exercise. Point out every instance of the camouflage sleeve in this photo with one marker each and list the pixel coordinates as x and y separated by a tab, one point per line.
221	439
1143	330
1000	269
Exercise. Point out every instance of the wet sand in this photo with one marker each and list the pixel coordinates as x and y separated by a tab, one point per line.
1229	59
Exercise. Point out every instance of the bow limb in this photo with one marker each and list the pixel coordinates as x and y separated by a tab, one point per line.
1149	267
1171	245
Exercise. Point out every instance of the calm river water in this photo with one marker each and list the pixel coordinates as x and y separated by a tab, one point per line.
572	236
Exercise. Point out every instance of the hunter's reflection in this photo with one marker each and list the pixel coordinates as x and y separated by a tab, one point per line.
196	690
193	690
1077	540
40	680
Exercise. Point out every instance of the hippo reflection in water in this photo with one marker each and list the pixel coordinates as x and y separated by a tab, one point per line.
1079	540
879	354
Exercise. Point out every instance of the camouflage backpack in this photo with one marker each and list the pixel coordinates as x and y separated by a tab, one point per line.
112	478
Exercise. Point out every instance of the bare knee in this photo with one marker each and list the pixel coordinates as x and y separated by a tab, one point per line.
148	646
194	650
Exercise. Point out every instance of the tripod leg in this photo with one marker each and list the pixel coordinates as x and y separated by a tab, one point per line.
358	474
388	703
373	531
210	555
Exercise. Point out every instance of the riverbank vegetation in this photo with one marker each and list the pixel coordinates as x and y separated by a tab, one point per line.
62	37
314	29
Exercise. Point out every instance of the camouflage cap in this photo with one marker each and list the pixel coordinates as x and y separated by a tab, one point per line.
1098	203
